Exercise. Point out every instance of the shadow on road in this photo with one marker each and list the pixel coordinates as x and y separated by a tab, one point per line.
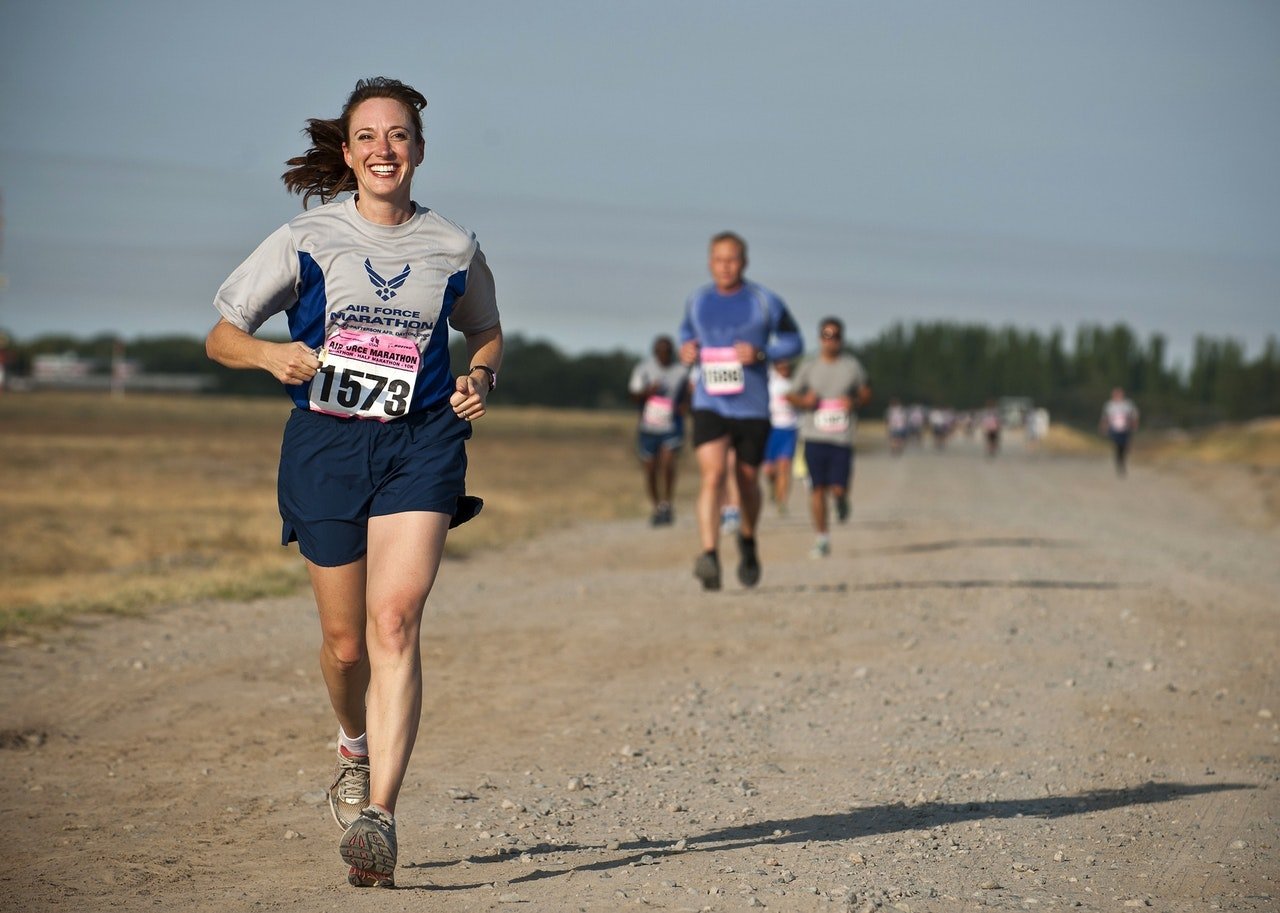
987	542
978	584
860	822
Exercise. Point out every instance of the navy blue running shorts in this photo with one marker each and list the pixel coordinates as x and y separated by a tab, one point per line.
336	473
830	465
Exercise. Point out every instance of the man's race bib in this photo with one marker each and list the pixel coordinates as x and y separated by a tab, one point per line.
659	415
365	375
831	417
722	371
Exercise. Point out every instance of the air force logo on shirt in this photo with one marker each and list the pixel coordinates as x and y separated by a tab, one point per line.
386	288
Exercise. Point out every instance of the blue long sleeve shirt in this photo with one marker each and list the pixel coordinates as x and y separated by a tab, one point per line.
752	314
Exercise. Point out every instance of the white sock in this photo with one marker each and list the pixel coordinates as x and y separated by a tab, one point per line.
358	746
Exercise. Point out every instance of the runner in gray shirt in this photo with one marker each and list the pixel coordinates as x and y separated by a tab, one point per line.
829	388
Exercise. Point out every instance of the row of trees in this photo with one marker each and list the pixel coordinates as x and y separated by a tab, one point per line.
960	365
963	364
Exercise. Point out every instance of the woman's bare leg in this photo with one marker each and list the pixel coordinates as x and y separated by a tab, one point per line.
404	556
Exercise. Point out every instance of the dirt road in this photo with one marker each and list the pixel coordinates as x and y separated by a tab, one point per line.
1020	684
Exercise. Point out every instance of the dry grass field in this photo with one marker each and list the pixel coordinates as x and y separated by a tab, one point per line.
1254	444
117	505
1251	451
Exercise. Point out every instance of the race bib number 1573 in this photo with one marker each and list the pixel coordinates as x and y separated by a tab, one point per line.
365	375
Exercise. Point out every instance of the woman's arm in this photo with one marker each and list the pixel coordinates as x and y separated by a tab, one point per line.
288	362
472	389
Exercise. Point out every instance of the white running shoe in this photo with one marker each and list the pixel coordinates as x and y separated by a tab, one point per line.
349	791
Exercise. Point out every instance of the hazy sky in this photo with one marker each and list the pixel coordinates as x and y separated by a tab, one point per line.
1034	163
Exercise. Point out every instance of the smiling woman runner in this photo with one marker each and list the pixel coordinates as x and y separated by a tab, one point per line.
373	461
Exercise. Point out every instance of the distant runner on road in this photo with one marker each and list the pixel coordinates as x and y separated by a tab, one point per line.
989	422
1119	420
732	329
897	426
659	385
784	431
829	388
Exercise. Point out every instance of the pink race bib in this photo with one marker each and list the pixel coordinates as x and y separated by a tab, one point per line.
659	415
722	373
831	417
365	375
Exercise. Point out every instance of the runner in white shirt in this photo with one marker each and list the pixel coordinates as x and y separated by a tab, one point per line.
780	448
941	423
989	422
917	419
1119	420
897	426
373	462
1036	428
659	385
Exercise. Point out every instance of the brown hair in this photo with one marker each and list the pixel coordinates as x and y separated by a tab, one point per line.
322	171
730	236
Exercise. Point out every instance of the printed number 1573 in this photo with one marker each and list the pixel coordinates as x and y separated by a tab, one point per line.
349	388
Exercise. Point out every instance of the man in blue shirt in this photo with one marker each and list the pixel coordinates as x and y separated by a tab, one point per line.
732	329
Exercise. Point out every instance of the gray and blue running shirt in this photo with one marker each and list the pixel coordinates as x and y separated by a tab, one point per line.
330	269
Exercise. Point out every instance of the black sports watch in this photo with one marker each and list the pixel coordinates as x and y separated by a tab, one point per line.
492	374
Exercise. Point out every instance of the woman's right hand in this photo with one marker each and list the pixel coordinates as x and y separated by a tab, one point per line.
291	363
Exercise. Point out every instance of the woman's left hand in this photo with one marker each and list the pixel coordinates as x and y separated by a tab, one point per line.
469	396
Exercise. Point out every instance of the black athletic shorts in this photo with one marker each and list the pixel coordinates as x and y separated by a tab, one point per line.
747	436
